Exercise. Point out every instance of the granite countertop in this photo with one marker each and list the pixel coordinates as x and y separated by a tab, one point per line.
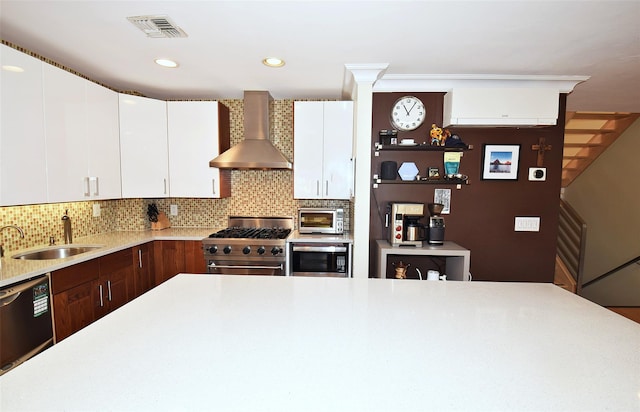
16	270
263	343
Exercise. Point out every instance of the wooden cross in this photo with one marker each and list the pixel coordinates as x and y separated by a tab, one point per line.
541	148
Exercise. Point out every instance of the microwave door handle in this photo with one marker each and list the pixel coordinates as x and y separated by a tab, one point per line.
318	248
215	266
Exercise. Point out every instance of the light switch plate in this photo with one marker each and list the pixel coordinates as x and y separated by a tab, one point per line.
527	224
96	210
173	210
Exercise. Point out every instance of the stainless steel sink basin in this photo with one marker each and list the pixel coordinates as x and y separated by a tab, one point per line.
56	252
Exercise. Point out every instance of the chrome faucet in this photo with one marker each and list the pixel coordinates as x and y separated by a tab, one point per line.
19	229
66	222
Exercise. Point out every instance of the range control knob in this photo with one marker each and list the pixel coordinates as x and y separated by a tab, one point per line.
246	250
275	250
227	250
213	249
261	250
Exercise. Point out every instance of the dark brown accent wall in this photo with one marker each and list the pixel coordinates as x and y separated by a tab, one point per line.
483	212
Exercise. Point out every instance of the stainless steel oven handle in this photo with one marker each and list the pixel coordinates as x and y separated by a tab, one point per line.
318	248
214	266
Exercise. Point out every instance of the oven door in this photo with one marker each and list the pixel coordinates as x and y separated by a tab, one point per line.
245	267
320	260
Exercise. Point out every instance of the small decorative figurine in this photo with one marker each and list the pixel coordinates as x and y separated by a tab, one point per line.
438	135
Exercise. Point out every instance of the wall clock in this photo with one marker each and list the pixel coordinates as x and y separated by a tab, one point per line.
407	113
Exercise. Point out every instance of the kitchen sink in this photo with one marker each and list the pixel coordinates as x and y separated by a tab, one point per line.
56	252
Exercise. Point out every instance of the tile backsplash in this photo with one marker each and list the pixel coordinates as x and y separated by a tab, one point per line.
253	193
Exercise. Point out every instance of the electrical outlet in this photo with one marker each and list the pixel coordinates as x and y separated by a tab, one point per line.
96	210
538	174
173	210
527	224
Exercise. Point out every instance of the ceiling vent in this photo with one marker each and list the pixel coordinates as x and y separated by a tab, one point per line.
157	26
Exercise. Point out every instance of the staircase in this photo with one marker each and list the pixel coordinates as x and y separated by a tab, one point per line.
587	135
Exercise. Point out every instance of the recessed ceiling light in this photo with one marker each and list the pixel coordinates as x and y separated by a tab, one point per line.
14	69
273	62
166	63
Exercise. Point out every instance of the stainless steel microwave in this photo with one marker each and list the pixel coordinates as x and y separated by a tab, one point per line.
321	220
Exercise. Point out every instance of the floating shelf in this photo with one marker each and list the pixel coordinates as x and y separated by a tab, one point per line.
377	182
420	147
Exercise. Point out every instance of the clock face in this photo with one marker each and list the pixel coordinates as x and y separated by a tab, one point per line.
407	113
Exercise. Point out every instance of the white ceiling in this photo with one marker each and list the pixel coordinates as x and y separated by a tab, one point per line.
228	39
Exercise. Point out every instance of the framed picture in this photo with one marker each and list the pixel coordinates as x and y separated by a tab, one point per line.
443	196
500	162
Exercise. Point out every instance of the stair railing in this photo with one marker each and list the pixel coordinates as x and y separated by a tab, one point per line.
612	272
572	237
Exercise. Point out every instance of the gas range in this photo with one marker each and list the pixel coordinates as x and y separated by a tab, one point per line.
249	246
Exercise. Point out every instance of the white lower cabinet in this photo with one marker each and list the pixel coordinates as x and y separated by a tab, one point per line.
144	152
322	150
23	165
82	138
194	136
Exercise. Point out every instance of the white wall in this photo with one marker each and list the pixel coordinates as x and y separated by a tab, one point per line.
607	196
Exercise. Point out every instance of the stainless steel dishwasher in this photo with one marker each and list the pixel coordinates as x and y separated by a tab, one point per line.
26	326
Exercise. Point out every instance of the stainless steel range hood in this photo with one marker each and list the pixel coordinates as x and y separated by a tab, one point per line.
255	151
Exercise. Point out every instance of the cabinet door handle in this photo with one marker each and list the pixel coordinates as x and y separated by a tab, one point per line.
87	182
165	185
97	192
326	192
101	299
109	289
318	187
140	258
213	185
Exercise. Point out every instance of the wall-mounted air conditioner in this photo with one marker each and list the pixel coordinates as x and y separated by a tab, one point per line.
501	106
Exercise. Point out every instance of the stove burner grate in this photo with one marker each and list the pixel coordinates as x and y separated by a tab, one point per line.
251	233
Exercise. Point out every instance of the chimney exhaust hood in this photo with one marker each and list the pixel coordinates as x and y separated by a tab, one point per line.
255	151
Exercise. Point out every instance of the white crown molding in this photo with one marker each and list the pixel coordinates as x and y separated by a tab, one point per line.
361	73
447	82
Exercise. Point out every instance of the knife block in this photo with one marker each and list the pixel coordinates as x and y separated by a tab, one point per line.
162	223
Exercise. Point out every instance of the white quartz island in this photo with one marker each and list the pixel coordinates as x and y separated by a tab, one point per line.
243	343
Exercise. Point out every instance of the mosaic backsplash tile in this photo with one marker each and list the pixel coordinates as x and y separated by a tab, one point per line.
253	193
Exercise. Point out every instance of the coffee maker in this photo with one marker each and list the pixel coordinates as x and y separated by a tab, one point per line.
404	229
435	231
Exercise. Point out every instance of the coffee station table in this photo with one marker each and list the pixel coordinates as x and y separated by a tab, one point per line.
456	257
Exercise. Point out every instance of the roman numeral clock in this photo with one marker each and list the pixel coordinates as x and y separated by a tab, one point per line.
407	113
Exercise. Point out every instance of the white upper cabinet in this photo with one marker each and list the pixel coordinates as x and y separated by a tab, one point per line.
322	150
144	157
194	139
103	137
82	138
22	142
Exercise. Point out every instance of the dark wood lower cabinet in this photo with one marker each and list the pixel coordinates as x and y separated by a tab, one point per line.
194	257
115	282
89	290
75	293
168	256
85	292
143	268
177	256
